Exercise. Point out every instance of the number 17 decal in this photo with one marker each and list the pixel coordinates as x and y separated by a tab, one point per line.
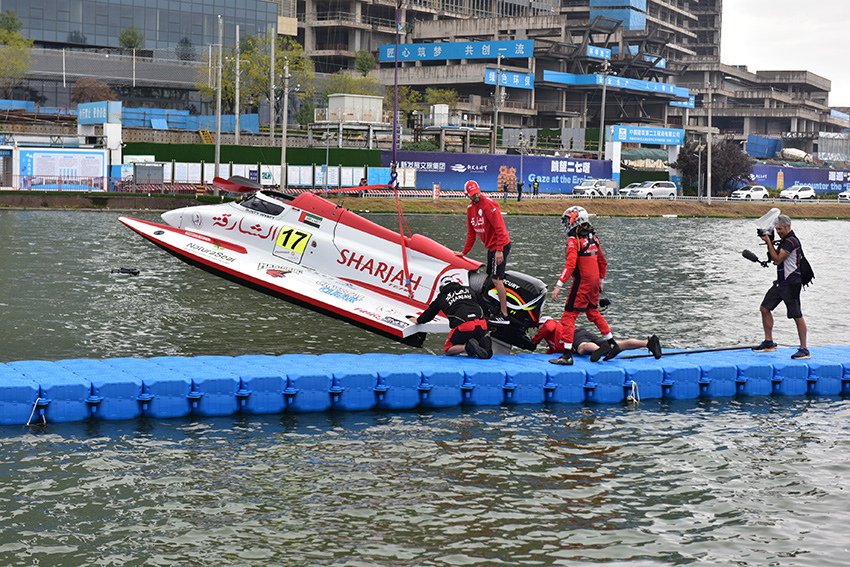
291	243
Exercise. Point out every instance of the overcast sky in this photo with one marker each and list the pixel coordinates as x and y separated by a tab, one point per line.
813	35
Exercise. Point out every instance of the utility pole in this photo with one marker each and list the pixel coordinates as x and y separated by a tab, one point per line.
497	102
606	66
236	109
218	98
272	44
521	153
284	118
700	148
708	164
327	158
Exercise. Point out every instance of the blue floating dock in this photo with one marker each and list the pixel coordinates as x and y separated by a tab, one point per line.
161	387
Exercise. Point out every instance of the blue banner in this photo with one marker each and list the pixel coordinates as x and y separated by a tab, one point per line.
821	180
690	103
494	172
647	135
598	52
457	50
661	63
99	112
510	79
616	82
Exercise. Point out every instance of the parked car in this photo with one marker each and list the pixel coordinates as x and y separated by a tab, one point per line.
654	190
626	191
844	197
751	192
798	192
596	188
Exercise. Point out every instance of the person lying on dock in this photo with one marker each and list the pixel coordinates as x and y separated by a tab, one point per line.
585	342
466	319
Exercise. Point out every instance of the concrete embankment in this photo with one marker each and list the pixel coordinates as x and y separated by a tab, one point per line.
548	206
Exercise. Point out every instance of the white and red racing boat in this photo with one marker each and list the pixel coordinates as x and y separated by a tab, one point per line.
311	252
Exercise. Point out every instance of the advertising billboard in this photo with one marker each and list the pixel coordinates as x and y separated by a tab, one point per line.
444	51
821	180
509	79
62	169
494	172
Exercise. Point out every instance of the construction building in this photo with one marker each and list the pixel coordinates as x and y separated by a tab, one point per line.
661	43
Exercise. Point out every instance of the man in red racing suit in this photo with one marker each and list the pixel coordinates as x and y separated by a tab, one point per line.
586	264
484	220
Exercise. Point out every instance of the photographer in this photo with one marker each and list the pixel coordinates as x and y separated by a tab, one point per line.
787	256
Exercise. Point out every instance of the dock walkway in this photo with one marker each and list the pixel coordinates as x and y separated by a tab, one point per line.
167	387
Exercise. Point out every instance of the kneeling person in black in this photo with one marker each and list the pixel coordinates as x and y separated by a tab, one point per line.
466	319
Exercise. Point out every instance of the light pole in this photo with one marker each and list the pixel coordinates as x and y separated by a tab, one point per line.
236	105
284	120
708	141
521	153
606	66
272	45
218	98
497	102
700	148
327	158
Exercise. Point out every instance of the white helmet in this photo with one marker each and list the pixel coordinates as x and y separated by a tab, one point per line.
446	280
573	218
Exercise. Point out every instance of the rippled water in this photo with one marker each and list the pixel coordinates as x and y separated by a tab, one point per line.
684	279
742	481
719	482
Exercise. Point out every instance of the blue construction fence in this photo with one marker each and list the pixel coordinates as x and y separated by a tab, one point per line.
173	386
762	147
157	118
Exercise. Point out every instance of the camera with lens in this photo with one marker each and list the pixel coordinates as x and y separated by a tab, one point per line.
765	231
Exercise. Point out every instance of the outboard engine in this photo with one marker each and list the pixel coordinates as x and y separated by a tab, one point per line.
525	298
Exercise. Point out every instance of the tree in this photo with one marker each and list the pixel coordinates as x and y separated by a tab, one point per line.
421	146
306	112
10	22
441	96
364	62
15	53
345	82
77	36
131	38
88	89
185	50
254	60
408	100
688	162
730	165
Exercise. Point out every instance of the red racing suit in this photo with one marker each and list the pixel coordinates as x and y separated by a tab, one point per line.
484	219
587	265
550	331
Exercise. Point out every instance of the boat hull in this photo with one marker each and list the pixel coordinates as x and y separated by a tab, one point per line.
301	286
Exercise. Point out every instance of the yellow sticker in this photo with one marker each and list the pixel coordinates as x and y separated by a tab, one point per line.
291	244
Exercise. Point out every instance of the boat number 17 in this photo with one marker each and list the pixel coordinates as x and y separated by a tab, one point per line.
291	244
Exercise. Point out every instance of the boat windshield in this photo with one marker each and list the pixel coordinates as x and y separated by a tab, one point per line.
261	205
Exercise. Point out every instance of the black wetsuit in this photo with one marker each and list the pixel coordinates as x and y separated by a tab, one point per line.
466	318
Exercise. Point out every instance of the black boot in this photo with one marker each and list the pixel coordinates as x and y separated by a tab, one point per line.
614	350
600	352
654	346
475	350
487	344
565	359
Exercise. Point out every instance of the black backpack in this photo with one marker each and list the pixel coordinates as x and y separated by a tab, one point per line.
806	272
